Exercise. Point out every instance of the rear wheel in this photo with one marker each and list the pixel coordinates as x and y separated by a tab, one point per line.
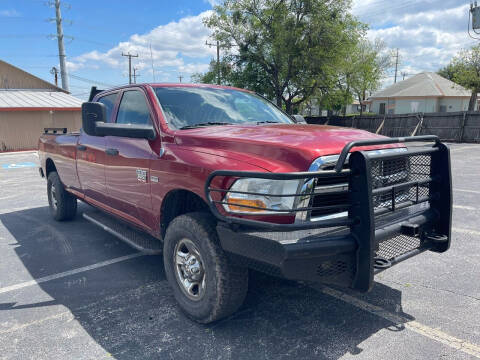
63	205
205	284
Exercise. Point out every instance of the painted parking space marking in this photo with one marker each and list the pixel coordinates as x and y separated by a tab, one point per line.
464	207
415	326
466	231
462	148
467	191
19	165
69	272
434	334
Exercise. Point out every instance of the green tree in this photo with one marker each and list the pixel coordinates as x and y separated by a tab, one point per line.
246	76
464	69
369	62
359	73
295	46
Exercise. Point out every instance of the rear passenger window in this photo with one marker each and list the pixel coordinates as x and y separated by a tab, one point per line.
133	109
109	102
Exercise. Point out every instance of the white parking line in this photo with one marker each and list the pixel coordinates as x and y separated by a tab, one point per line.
467	191
466	231
13	153
464	207
462	148
434	334
68	273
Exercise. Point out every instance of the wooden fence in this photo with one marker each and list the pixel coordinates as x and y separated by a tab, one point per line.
455	126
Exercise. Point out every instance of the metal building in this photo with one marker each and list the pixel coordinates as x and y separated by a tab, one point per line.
29	104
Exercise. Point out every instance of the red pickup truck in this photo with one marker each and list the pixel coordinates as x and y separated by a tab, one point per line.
221	180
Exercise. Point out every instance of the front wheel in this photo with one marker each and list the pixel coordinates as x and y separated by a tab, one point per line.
63	205
205	284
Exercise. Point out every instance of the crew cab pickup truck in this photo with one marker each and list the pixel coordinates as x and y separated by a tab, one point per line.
221	181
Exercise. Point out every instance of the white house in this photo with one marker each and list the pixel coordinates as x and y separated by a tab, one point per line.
425	92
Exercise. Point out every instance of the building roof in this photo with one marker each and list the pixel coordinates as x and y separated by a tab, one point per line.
30	100
12	77
422	85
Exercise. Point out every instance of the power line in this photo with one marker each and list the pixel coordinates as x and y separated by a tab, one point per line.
153	67
54	72
61	48
129	66
218	59
135	75
90	81
396	66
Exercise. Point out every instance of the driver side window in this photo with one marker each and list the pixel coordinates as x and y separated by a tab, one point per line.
133	109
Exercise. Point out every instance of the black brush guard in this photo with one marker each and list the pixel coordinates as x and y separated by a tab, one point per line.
399	205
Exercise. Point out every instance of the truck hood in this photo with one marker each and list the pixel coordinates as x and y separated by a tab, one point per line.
275	147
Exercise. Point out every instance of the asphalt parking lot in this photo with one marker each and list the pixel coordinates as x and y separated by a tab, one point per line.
72	291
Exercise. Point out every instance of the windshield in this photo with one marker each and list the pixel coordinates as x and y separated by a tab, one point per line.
187	107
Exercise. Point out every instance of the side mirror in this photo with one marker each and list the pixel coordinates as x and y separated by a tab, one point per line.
299	119
92	112
126	130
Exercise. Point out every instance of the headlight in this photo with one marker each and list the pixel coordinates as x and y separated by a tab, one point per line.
253	204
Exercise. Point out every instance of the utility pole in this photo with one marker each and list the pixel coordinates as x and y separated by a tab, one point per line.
54	72
218	58
396	66
180	77
153	67
135	75
129	65
61	48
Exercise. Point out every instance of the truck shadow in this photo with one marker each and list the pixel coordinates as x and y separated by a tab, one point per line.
128	309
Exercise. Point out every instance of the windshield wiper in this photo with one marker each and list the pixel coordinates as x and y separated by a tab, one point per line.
267	122
209	123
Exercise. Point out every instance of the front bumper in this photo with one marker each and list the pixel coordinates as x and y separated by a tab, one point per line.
329	257
350	251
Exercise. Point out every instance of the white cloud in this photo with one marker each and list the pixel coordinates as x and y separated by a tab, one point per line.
427	33
72	66
193	68
170	45
213	2
9	13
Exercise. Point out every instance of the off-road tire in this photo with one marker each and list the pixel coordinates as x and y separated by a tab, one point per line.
226	284
66	204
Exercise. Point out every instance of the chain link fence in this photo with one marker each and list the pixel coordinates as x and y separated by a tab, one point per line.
455	126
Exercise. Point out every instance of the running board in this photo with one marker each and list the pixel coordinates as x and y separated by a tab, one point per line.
135	238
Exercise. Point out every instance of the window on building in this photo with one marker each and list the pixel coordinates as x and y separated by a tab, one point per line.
109	102
443	108
381	109
133	109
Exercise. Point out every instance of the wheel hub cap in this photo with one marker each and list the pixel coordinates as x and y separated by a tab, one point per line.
189	272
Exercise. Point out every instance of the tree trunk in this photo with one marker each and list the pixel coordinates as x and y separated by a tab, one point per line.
472	105
361	105
288	107
278	97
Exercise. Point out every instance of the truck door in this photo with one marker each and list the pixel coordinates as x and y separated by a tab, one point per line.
91	158
127	162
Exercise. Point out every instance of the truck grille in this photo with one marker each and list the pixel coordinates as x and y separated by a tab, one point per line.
398	171
334	191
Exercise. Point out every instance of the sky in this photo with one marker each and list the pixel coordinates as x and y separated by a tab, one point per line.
169	37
